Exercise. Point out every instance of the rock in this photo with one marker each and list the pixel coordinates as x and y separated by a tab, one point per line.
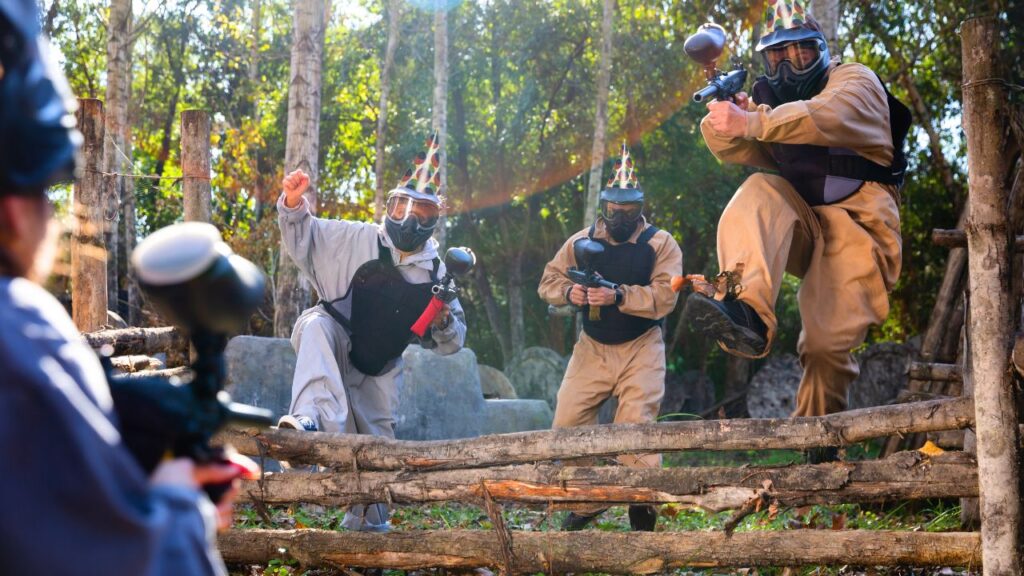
691	392
505	416
260	372
883	373
773	388
440	397
537	373
495	384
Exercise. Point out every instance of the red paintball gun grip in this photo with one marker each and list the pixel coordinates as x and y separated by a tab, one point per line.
429	313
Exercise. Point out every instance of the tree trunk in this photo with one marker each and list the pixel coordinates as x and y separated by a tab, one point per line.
595	181
907	475
254	91
195	165
88	254
596	551
302	147
343	451
987	126
439	116
147	341
394	9
117	147
827	13
737	381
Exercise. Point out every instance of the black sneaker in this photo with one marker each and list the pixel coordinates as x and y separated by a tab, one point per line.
642	518
297	422
732	322
574	522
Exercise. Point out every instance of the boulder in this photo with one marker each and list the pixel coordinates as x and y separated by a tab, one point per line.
260	372
773	388
537	373
505	416
883	373
440	396
494	384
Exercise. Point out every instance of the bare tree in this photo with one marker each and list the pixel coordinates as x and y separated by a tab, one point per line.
120	201
394	8
600	115
302	145
439	115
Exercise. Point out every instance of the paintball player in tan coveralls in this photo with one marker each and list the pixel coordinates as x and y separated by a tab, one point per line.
829	215
622	353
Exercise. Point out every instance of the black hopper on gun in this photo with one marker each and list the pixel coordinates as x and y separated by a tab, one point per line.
705	47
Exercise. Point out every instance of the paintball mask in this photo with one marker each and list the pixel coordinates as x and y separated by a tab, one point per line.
410	221
796	60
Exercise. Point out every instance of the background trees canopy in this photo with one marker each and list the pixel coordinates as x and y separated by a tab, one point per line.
521	98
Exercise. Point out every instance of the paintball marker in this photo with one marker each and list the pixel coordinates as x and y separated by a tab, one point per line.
587	252
704	47
458	262
190	276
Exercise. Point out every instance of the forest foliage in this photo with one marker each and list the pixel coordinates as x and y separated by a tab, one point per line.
521	98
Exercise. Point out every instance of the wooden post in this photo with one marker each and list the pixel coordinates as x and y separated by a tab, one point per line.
195	165
987	125
88	253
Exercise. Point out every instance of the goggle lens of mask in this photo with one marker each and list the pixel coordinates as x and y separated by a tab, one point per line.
800	54
401	207
630	211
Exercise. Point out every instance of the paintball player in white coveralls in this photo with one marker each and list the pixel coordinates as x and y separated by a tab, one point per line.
374	281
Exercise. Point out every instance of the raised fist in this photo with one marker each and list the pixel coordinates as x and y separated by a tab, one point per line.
295	184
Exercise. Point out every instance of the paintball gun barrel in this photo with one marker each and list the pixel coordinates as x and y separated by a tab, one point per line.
191	277
705	47
587	252
457	262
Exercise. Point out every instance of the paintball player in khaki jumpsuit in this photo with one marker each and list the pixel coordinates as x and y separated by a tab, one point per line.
374	281
622	352
829	215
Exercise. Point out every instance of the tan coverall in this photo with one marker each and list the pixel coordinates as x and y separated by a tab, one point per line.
848	254
632	371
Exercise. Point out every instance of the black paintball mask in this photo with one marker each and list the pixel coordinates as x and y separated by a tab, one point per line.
796	61
621	210
38	140
411	219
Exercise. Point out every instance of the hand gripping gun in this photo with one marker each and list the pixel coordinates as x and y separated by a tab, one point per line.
458	262
586	252
705	47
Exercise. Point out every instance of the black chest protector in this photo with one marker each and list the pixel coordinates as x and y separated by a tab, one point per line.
630	264
384	306
826	175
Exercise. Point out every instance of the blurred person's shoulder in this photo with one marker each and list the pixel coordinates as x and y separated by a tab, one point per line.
40	344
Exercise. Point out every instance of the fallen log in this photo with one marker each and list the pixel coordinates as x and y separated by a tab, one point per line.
135	363
148	341
360	452
183	372
595	551
934	371
958	239
903	476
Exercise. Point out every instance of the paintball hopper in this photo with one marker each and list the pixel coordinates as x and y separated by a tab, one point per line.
194	280
705	45
459	261
586	252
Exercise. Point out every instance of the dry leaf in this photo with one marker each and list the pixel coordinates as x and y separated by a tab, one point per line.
773	510
839	522
669	510
930	449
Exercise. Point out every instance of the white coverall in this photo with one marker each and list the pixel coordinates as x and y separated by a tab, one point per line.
326	387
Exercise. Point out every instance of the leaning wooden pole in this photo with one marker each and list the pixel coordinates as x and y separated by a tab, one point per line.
987	125
195	165
88	252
